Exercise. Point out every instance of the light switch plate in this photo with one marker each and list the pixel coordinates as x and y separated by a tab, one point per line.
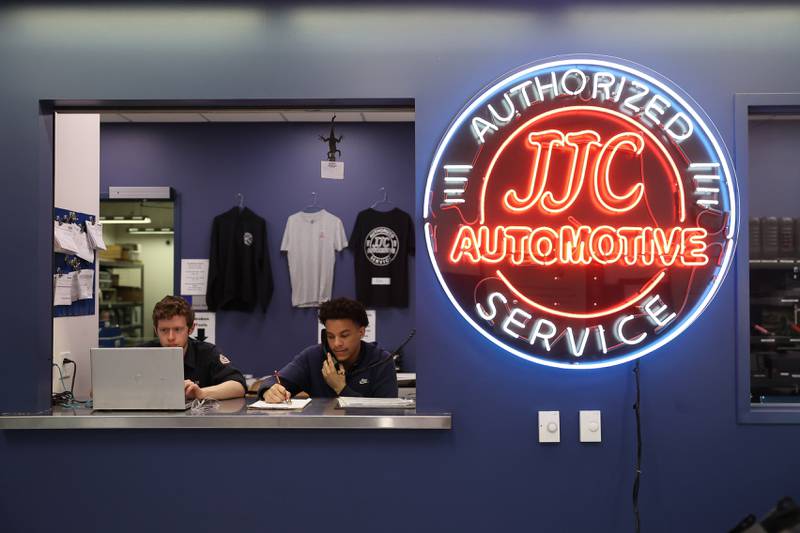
549	426
591	430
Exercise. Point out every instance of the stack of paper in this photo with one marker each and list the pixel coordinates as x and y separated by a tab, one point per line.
293	404
378	403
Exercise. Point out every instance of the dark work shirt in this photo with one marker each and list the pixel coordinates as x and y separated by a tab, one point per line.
239	273
381	243
206	365
372	375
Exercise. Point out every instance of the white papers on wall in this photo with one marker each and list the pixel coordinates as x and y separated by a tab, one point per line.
194	276
205	325
85	250
83	284
63	240
69	239
95	233
62	289
332	170
73	286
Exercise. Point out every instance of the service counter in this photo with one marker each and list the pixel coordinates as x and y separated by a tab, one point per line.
321	413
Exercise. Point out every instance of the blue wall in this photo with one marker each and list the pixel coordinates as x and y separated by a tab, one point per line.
702	471
276	167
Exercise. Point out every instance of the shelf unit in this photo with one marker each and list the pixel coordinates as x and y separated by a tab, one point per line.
774	306
123	304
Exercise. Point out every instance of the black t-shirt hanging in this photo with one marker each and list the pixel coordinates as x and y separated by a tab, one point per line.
239	273
381	242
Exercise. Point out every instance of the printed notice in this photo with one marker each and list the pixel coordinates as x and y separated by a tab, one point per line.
194	276
333	170
205	325
62	289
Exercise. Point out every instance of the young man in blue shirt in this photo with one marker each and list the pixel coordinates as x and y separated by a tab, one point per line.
351	367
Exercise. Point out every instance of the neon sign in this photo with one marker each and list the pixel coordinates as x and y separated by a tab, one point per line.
581	212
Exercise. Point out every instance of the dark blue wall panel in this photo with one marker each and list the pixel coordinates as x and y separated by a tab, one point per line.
276	167
702	471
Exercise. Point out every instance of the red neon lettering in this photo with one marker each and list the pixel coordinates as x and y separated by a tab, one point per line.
494	248
467	243
693	247
573	249
602	182
604	245
542	246
580	144
540	142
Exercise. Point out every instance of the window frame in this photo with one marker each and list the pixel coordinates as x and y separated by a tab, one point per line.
746	105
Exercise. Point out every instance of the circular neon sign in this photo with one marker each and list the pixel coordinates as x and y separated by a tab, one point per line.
581	212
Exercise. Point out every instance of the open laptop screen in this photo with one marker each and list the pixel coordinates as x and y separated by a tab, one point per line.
137	378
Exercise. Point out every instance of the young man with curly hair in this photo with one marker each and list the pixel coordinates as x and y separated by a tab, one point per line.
352	367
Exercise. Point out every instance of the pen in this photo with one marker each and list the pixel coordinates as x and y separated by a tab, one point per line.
278	381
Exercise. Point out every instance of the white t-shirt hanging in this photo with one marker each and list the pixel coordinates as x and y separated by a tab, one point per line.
311	241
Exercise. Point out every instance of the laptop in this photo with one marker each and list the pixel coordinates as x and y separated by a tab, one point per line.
137	379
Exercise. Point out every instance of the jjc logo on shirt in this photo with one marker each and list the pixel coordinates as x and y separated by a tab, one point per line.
381	246
247	238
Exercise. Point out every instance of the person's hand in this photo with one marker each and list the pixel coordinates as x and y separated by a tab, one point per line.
192	390
334	378
277	394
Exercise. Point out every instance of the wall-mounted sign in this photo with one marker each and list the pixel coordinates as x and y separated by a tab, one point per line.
581	212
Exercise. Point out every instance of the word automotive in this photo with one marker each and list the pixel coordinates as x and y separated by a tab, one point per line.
581	212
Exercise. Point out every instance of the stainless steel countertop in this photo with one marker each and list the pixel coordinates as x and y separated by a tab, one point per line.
321	413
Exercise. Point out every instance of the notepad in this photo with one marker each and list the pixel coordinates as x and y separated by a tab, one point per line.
293	404
378	403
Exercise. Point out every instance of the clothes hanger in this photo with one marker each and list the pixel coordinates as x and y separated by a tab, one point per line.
239	200
385	199
312	207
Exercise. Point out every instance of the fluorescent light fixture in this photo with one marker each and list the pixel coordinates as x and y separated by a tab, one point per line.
150	231
125	220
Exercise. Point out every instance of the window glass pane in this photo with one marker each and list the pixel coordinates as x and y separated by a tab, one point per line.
774	234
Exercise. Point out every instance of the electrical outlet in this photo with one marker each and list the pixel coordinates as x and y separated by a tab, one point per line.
549	426
67	374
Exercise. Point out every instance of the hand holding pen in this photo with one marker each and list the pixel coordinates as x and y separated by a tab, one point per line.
277	393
